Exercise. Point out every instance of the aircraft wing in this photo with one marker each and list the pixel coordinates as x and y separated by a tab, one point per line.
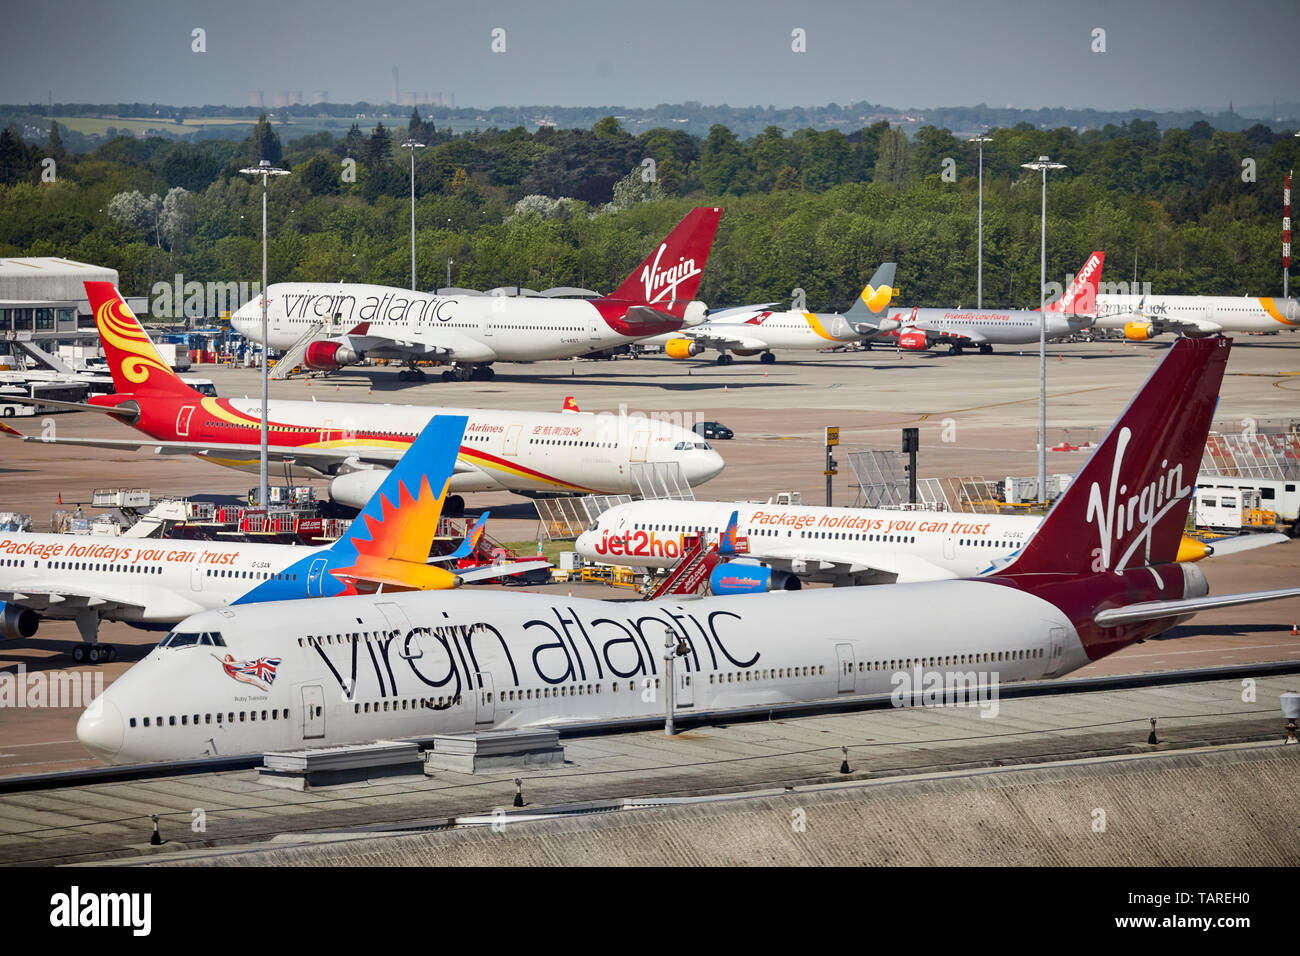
1195	328
1154	610
44	599
906	568
713	339
489	571
738	310
325	460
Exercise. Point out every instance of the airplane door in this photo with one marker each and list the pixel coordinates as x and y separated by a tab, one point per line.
315	577
639	445
397	624
183	420
511	446
313	712
196	578
1056	652
685	694
485	702
325	429
950	547
845	654
593	328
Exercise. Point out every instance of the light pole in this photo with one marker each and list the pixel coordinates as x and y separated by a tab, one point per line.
448	273
1043	164
413	146
265	170
979	269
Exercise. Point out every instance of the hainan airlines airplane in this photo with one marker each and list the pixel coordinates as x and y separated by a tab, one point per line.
786	545
758	330
1144	317
529	453
920	329
93	578
346	323
1097	577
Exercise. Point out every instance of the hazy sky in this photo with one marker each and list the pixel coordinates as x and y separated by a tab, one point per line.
1160	54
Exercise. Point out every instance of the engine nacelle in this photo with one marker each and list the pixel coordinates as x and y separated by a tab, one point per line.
1139	331
680	348
16	621
357	487
328	356
736	577
913	341
746	353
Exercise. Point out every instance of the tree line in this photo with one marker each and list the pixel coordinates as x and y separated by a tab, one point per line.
1193	210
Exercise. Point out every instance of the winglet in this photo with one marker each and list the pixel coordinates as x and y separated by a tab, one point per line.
570	404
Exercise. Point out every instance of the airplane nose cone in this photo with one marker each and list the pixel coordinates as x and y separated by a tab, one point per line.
707	465
101	729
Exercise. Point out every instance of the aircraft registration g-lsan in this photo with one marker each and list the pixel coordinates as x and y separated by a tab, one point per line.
920	329
1144	317
757	330
786	545
353	444
153	583
1098	576
339	324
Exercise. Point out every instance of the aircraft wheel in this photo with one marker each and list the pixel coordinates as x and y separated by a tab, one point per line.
403	376
447	376
454	506
954	348
79	654
96	654
110	653
489	373
986	350
768	358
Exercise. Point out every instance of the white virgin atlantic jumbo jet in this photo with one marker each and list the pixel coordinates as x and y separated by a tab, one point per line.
337	324
1098	576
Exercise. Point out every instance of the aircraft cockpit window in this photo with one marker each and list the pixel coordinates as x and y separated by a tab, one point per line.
180	639
703	445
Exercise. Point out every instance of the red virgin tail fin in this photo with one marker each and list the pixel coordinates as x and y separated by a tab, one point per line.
669	277
1081	296
1128	505
136	365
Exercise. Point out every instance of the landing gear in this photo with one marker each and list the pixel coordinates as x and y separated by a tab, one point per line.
454	506
94	653
767	358
469	373
986	349
725	359
411	375
954	348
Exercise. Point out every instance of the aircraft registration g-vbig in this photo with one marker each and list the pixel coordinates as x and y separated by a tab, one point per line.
340	324
353	444
1144	317
153	583
757	330
1098	576
786	545
922	329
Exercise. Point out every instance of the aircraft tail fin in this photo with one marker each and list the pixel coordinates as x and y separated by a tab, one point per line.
1128	505
401	518
1081	296
727	540
570	404
873	304
669	277
135	364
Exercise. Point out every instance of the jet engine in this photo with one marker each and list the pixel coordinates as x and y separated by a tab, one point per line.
328	356
913	341
356	488
1140	331
18	621
736	577
680	348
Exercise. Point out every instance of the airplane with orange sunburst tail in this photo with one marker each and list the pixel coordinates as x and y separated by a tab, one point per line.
152	584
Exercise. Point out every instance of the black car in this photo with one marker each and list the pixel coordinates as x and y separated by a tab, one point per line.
713	430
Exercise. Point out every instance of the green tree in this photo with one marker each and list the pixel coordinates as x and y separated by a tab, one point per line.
891	164
266	144
607	128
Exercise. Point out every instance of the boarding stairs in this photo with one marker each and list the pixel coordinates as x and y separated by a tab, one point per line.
691	574
292	358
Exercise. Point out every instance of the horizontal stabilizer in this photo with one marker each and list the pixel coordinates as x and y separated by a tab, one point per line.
1244	542
1154	610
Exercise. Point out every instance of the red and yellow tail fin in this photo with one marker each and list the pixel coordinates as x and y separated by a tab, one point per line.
134	362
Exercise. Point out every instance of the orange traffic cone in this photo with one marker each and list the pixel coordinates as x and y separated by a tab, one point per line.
1294	632
61	502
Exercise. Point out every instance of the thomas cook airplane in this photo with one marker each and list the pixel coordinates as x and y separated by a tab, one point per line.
1098	575
354	444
